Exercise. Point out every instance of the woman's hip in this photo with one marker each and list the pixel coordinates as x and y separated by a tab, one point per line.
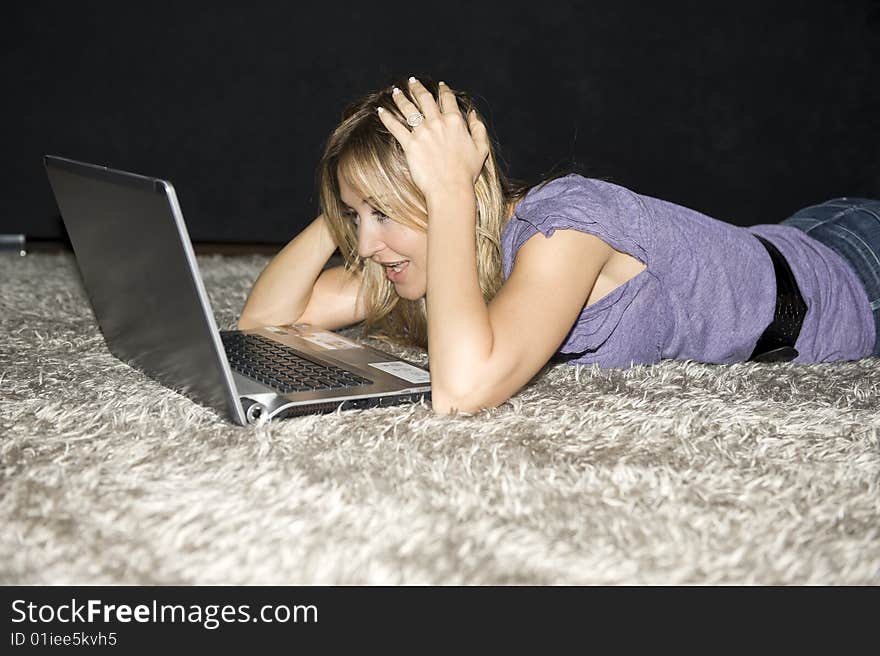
850	227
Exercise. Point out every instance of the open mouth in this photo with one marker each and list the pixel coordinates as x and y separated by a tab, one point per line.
395	270
397	267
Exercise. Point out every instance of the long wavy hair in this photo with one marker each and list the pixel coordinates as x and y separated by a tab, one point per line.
374	164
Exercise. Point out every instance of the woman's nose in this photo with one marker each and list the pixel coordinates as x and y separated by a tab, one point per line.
368	242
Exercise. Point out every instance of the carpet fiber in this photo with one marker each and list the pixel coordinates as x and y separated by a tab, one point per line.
679	473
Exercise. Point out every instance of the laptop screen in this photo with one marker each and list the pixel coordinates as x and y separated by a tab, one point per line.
141	276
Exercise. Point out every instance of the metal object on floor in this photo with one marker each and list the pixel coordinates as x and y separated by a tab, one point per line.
13	243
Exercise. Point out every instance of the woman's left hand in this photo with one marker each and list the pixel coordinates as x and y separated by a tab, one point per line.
444	152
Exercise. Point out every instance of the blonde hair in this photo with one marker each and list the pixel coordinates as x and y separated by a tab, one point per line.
372	162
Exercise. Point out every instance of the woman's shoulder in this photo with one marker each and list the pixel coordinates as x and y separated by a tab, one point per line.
571	193
573	198
569	183
572	202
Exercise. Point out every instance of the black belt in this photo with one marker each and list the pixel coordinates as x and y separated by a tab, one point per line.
776	344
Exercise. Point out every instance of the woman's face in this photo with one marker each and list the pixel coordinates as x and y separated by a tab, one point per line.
385	241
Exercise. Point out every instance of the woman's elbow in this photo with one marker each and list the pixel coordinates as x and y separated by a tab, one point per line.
442	405
447	404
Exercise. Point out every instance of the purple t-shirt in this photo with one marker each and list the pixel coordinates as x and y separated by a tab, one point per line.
709	289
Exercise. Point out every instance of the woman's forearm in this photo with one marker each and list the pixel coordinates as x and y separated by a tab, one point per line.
282	291
459	332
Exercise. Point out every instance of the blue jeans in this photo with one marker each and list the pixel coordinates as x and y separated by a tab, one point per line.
850	227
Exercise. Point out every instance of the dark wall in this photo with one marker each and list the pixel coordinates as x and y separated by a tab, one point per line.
743	111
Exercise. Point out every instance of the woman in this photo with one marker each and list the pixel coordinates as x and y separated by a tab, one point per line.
616	278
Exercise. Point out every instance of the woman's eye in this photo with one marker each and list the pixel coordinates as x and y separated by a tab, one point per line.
354	217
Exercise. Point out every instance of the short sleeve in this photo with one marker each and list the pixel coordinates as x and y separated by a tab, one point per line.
574	203
595	207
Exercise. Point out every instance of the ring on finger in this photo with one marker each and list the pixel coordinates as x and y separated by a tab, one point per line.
413	119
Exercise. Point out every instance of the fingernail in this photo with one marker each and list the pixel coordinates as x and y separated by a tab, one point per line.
412	79
442	82
395	91
380	110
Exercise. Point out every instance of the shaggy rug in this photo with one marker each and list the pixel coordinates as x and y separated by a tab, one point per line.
678	473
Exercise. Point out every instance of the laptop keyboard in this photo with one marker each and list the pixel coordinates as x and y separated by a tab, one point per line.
279	366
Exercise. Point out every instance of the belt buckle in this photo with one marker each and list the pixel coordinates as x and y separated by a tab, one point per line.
781	354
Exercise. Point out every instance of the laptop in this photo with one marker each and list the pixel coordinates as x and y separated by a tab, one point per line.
139	270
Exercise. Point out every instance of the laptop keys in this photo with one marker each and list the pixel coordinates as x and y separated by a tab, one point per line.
281	367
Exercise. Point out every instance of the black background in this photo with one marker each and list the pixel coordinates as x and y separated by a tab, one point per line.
745	111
